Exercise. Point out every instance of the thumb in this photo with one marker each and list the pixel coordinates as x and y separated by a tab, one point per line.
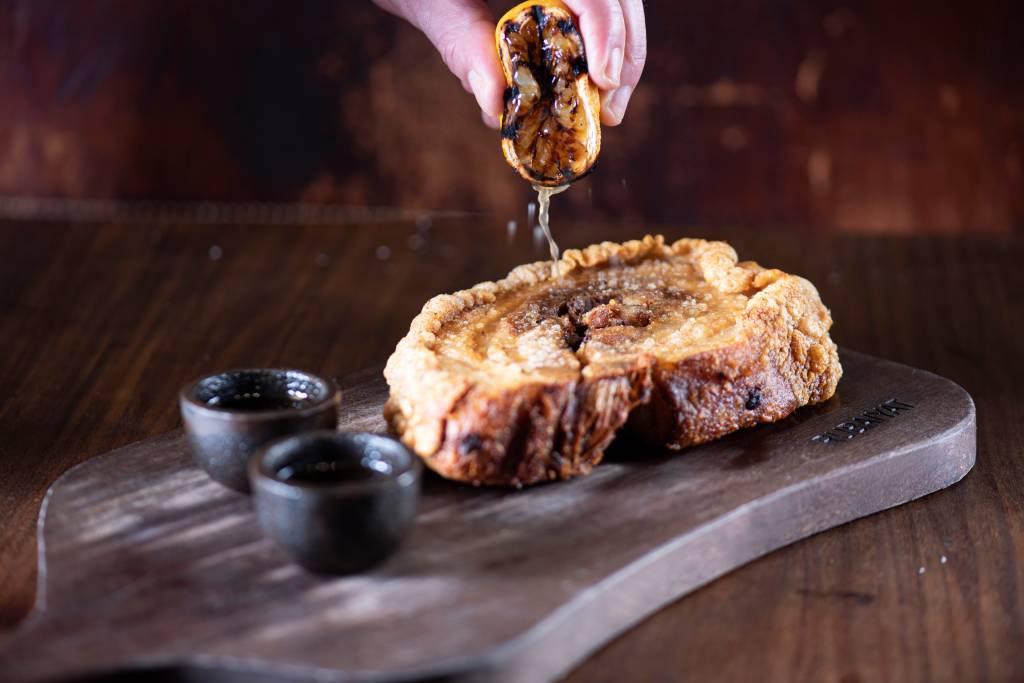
463	33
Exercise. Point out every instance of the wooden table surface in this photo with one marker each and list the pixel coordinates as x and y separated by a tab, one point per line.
101	324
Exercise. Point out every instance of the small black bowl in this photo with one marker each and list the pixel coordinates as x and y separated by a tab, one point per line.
231	415
337	503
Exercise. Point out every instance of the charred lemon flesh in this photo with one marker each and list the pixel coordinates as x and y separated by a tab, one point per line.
550	125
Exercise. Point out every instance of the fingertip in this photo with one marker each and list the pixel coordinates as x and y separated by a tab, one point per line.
608	119
487	93
477	87
490	121
602	82
613	105
609	78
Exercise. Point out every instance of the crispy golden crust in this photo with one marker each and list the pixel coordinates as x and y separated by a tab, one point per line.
503	384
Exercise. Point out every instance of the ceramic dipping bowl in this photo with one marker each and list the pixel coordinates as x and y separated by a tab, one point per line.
336	503
231	415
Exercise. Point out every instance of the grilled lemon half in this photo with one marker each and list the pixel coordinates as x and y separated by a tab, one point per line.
551	122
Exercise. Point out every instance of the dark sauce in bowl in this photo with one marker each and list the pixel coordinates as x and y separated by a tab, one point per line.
260	390
333	471
333	460
257	401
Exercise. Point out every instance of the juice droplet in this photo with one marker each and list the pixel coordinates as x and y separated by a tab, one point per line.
544	195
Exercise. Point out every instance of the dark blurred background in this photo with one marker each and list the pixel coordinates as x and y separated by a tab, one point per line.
871	115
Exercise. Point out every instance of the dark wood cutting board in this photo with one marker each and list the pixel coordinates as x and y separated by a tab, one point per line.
145	564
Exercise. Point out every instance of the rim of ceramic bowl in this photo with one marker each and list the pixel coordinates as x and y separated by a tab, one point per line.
261	475
332	395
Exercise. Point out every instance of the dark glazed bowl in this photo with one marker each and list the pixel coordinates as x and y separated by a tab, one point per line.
231	415
336	503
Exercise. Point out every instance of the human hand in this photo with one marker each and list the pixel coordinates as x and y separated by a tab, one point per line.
614	35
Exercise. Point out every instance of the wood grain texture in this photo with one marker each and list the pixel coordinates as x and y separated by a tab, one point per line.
176	570
100	324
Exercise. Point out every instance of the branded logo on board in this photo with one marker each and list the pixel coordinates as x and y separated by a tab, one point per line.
869	419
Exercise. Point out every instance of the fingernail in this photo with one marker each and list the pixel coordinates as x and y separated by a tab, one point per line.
613	70
476	83
615	105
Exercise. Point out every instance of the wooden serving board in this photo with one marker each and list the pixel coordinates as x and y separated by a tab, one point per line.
145	564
